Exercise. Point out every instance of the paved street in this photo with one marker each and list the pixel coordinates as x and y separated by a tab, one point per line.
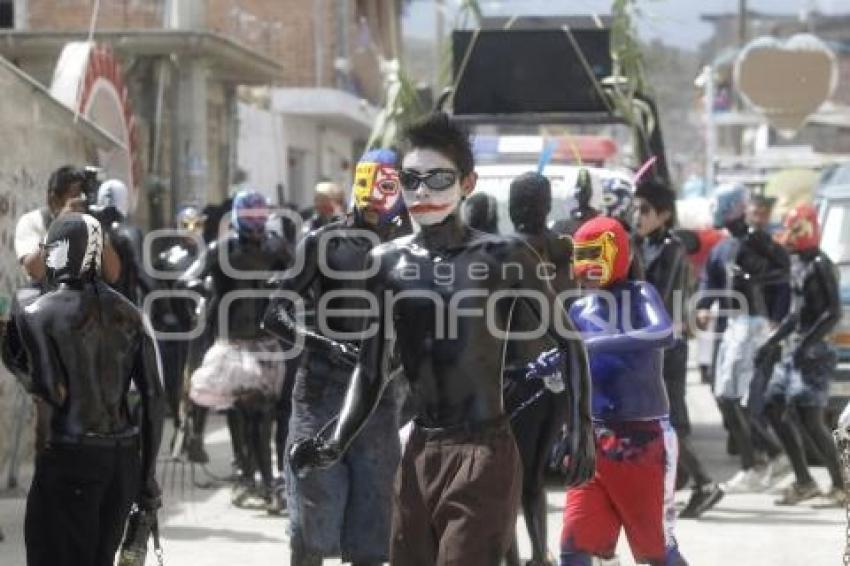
200	528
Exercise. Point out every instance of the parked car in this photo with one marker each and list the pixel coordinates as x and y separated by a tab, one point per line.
833	200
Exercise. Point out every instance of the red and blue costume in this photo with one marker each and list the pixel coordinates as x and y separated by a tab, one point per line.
625	329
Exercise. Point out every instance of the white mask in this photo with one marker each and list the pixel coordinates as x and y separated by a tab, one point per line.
427	206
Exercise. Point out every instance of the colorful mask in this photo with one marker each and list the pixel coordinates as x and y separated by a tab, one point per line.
802	231
617	199
730	204
250	213
377	192
189	218
601	251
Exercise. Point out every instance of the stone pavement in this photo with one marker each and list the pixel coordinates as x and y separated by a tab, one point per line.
200	528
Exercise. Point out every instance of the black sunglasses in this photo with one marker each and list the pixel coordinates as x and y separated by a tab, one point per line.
435	179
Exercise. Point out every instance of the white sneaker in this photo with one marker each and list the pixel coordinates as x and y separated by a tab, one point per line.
777	469
746	481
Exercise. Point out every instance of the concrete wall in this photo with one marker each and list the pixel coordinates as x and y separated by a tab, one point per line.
33	120
270	144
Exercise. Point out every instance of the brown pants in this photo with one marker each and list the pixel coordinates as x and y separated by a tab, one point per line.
456	497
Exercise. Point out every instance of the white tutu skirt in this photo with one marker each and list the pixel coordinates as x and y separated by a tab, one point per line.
233	369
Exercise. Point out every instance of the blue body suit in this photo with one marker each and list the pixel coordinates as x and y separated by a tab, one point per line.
625	329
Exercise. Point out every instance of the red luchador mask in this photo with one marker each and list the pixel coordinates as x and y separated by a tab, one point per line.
601	251
802	231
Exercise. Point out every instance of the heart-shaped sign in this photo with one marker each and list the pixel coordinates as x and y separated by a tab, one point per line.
786	81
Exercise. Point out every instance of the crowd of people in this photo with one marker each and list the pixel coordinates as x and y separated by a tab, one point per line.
400	379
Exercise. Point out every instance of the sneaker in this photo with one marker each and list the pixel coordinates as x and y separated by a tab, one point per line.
796	493
835	497
745	481
778	468
702	499
277	505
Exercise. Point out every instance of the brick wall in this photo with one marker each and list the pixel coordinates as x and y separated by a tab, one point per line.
113	14
284	30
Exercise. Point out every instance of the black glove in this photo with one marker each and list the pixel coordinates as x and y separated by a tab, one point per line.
767	355
310	453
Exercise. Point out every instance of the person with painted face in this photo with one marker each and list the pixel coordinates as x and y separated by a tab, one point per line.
242	372
85	345
668	269
800	380
538	428
458	485
344	510
736	274
626	328
174	313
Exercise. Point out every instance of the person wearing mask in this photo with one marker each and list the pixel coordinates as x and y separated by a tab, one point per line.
626	328
800	380
243	370
112	209
85	346
173	313
344	510
668	269
740	267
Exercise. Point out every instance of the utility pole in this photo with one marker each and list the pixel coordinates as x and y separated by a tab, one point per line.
439	8
742	22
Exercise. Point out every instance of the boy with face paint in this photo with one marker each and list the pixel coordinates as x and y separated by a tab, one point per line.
626	329
85	345
457	487
344	510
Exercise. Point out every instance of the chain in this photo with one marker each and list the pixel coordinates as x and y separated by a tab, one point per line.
844	453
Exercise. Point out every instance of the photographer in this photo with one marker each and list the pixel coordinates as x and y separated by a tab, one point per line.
66	190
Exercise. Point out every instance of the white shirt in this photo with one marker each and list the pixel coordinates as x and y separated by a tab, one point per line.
30	231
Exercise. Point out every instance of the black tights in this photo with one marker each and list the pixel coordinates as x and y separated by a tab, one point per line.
813	424
251	433
739	427
749	433
536	429
257	430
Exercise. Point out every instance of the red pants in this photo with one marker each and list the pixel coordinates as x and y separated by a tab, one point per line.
632	489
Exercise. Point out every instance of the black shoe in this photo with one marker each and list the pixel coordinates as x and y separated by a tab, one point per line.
702	499
195	451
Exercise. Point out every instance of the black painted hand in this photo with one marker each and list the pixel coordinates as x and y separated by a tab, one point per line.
311	453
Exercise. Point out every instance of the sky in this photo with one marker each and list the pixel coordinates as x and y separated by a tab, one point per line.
675	22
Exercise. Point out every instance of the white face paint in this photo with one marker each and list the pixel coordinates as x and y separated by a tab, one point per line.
427	206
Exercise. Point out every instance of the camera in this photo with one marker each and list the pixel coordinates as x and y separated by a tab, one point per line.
92	178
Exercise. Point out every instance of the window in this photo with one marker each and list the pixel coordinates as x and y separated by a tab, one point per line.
7	14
